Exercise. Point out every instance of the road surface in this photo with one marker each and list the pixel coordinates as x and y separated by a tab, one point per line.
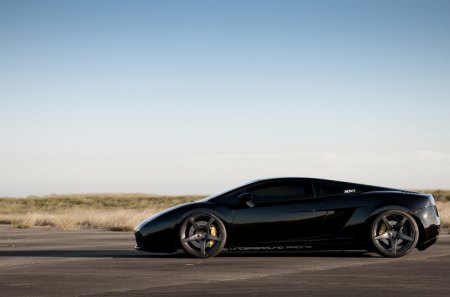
45	262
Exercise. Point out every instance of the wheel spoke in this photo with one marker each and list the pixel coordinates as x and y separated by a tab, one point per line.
401	223
215	238
393	242
194	224
386	222
405	237
190	238
382	236
203	247
211	220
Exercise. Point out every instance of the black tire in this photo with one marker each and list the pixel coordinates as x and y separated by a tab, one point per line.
203	235
394	233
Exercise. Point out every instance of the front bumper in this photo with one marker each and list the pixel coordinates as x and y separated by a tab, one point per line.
161	242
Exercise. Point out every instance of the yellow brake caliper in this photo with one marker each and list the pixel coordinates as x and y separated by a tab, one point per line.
383	229
213	232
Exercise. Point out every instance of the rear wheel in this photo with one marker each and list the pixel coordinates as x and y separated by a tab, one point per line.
394	233
203	235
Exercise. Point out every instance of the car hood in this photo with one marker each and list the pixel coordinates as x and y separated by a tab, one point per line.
169	213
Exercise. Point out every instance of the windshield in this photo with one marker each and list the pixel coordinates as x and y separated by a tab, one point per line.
209	198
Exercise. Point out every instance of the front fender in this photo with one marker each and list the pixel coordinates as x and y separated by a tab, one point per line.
159	233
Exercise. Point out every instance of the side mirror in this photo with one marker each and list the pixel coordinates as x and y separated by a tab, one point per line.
247	199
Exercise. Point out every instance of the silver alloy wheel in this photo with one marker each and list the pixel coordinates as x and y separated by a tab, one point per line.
394	233
203	235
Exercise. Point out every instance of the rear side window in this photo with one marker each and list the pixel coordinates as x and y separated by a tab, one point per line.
287	191
333	189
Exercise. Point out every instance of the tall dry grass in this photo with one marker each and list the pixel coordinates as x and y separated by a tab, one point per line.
118	212
444	213
439	195
115	220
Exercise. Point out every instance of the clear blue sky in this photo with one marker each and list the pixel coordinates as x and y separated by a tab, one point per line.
175	97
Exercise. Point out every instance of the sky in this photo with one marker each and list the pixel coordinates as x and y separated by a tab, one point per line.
194	97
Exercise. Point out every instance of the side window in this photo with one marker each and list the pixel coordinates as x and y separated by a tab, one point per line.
284	191
333	189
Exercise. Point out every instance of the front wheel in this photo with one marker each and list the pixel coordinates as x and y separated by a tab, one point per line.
203	235
394	233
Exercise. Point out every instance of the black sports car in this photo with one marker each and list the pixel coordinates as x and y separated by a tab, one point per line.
296	213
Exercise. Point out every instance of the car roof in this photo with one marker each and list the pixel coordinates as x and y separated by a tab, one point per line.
313	179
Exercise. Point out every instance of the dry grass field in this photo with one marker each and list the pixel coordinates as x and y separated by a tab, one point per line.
119	212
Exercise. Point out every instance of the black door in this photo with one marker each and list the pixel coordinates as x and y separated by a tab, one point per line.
283	212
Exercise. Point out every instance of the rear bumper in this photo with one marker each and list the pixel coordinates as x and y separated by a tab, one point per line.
424	245
431	223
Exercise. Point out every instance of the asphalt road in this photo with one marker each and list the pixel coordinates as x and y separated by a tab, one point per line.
44	262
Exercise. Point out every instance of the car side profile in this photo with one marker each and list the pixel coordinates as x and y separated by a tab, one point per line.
296	213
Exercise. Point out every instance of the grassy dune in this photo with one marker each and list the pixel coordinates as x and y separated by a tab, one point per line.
119	212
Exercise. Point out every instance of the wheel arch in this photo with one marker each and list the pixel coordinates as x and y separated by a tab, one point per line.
421	229
376	212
